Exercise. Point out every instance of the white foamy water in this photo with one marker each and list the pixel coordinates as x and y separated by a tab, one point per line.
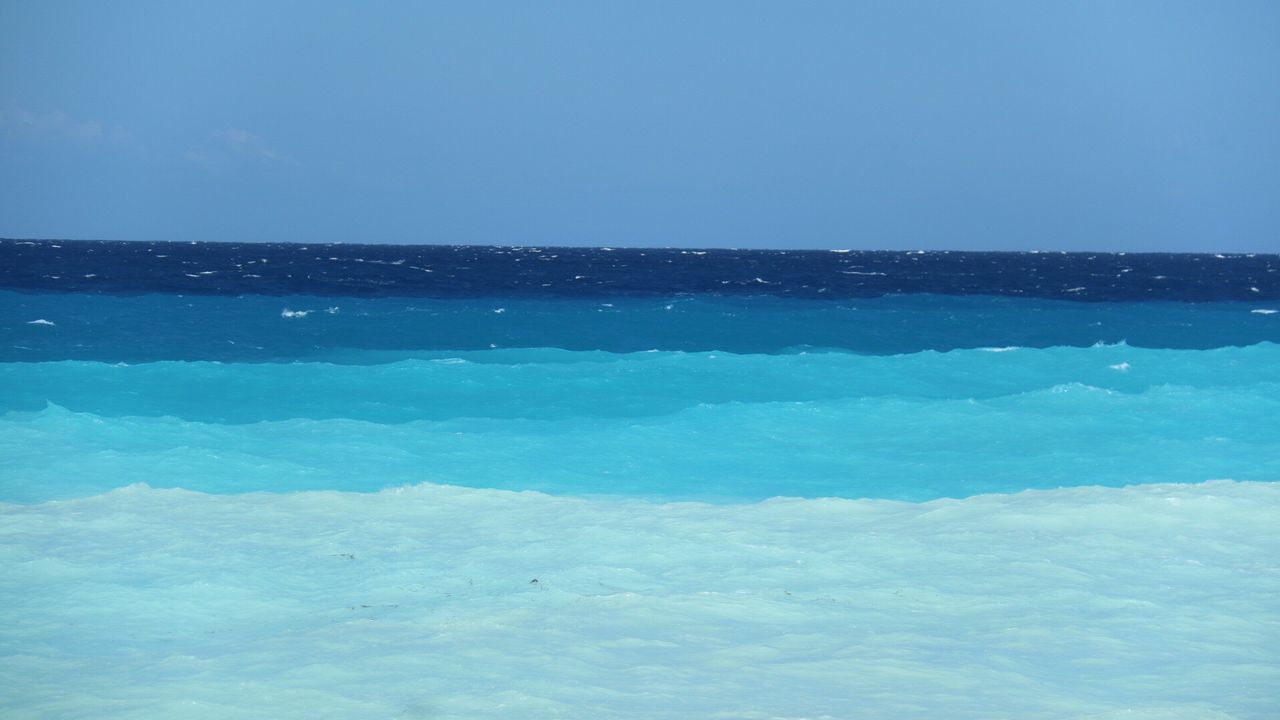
1148	602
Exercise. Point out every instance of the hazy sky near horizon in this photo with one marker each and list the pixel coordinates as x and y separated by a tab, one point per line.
1091	125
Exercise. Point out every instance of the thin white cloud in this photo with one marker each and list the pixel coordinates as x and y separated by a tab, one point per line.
236	138
233	146
59	125
199	158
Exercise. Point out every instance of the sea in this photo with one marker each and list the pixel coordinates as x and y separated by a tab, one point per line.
389	481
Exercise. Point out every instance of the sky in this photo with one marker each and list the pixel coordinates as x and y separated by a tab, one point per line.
982	125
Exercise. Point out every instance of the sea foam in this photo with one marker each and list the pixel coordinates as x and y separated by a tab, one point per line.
1154	601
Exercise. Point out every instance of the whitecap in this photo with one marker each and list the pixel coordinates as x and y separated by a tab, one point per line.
41	321
1264	311
1077	387
292	314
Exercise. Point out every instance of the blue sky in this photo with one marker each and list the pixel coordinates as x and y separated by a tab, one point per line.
1096	125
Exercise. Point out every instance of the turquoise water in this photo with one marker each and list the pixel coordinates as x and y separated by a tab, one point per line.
724	399
663	425
255	328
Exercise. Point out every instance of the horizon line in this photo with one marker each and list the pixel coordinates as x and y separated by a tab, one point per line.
609	248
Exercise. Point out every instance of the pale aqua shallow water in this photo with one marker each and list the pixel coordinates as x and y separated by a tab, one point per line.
1152	601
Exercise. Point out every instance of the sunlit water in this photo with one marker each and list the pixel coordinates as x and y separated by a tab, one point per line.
673	492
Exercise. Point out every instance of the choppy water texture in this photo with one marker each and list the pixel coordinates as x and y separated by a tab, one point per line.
279	481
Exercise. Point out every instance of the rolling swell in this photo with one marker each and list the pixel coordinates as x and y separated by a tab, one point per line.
662	425
553	384
109	328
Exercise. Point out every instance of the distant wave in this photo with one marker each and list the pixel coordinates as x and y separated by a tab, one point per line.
259	328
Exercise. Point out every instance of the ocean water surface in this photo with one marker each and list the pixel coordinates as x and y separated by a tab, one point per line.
369	481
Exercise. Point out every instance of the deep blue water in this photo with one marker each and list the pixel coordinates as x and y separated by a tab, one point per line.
434	271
